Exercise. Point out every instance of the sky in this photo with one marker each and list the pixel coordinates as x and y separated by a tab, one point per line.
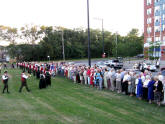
119	15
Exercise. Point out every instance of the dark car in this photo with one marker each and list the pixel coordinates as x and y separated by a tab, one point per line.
162	69
163	72
140	56
3	60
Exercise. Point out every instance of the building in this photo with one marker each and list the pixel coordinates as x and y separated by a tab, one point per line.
154	28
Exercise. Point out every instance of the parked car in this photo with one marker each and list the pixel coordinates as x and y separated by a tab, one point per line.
70	63
114	63
3	60
140	56
162	69
149	66
101	64
163	72
136	66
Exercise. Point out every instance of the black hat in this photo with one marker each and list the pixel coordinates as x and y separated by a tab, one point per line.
5	71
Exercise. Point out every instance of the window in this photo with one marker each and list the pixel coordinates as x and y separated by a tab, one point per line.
149	21
148	2
163	6
163	27
148	11
163	17
156	1
149	30
149	39
157	28
164	38
157	19
157	9
157	39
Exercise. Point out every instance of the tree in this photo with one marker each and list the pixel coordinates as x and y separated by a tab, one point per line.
11	35
30	34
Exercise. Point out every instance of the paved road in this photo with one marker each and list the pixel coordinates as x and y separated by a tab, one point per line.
127	64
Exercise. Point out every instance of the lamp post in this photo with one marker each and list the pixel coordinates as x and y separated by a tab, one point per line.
101	19
49	58
89	56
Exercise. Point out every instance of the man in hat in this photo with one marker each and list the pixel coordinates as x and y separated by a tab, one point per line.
23	82
5	82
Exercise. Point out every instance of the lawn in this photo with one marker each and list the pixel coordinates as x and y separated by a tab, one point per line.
68	103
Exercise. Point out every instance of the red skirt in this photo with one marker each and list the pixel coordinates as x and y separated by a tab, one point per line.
91	80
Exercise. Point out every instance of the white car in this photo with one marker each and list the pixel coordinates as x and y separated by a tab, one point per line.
108	62
149	66
135	66
114	63
101	64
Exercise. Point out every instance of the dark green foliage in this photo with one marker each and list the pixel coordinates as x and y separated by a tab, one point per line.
76	45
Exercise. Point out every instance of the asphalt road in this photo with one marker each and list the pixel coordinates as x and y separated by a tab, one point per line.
127	64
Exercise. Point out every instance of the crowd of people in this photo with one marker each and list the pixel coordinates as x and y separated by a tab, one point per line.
143	85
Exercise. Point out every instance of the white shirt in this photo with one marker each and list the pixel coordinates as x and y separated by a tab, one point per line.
137	81
146	83
24	76
4	77
85	73
118	77
143	79
126	78
161	78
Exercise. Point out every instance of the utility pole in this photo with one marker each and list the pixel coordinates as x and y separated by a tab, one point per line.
116	44
103	34
63	47
89	56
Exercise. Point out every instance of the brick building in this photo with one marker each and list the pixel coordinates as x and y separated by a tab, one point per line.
154	28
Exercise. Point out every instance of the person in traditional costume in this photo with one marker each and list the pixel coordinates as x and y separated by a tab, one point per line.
5	82
38	72
48	78
151	90
42	83
34	73
139	88
24	82
88	75
158	91
92	79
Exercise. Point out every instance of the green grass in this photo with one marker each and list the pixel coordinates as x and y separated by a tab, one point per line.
68	103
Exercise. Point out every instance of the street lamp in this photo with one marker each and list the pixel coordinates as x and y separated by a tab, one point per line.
49	58
101	19
89	56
